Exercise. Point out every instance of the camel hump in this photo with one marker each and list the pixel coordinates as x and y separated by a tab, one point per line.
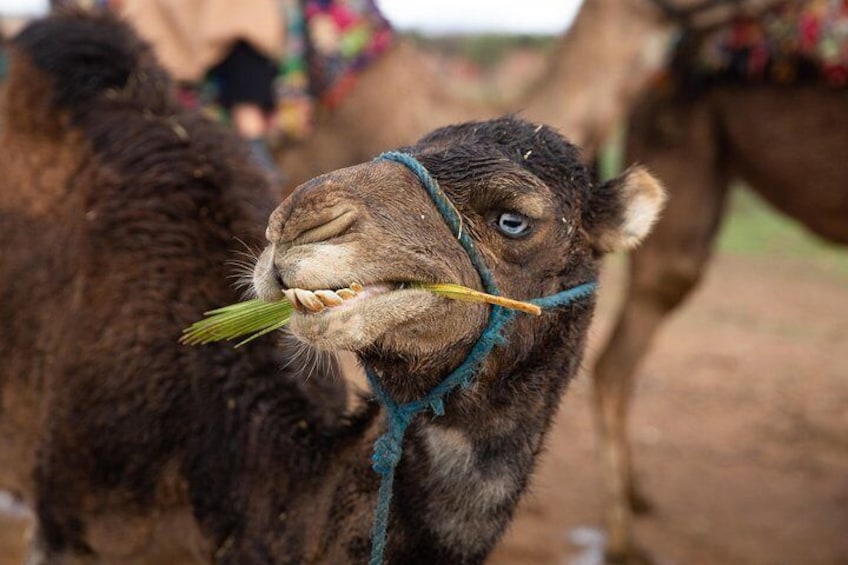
76	61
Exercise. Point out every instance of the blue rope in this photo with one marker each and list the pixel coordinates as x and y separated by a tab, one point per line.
388	449
566	296
449	213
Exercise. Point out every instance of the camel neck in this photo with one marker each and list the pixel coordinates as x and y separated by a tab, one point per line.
476	460
388	449
625	42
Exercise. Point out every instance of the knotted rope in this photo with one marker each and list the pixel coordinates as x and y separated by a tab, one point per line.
388	449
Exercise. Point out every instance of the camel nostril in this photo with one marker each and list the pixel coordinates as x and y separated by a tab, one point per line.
325	226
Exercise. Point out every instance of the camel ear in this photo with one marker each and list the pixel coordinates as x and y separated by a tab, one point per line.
623	210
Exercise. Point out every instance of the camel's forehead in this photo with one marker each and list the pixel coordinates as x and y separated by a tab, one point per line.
488	178
471	179
471	186
505	149
472	163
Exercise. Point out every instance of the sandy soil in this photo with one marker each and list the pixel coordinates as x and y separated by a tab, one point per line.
740	429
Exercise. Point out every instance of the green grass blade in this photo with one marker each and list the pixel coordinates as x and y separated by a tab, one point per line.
237	320
269	329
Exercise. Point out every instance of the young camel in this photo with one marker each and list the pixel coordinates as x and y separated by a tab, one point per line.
117	213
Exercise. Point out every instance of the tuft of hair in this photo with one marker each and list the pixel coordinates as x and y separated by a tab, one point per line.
87	75
85	56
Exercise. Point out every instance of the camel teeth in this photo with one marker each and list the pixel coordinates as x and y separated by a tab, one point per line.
345	293
308	299
313	301
356	287
298	307
329	298
290	296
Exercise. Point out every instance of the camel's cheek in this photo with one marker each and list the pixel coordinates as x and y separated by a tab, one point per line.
384	317
342	331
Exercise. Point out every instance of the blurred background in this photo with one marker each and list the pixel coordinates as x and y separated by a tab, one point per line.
739	421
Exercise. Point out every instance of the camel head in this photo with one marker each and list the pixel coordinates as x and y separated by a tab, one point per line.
524	197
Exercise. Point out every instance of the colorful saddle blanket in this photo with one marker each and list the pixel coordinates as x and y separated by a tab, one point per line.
790	42
329	43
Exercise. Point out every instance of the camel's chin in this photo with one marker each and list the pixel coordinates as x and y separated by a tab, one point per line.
376	316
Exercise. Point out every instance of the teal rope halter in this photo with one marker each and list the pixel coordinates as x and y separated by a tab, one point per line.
388	448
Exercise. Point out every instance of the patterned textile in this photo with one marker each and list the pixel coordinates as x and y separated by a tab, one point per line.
329	43
791	42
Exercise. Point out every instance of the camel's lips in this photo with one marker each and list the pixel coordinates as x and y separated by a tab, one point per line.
316	301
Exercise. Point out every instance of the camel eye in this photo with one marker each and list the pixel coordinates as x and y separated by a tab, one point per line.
514	225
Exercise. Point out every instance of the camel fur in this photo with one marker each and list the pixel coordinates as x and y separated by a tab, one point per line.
119	212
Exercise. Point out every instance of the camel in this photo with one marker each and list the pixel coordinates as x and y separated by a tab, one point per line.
607	58
596	69
603	61
398	98
118	210
783	141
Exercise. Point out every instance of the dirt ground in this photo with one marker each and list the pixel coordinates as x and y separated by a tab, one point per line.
740	430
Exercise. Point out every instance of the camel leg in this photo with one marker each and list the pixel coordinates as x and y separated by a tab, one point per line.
662	272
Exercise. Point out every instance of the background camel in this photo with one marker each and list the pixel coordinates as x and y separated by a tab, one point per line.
784	141
596	70
117	213
599	70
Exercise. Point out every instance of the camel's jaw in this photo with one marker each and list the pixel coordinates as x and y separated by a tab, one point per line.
352	308
379	312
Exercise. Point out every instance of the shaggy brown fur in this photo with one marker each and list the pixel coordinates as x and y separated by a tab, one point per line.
117	218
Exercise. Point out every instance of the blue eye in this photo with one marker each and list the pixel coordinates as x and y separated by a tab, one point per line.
513	225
